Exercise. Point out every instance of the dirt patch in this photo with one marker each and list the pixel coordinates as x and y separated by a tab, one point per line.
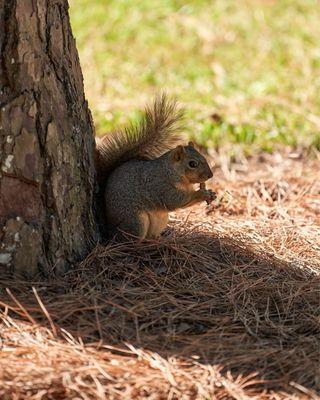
224	306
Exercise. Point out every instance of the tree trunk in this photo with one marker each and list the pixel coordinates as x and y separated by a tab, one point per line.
47	175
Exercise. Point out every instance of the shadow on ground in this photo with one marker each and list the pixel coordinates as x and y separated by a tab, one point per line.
193	295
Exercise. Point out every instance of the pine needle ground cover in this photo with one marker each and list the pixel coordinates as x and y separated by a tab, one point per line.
224	306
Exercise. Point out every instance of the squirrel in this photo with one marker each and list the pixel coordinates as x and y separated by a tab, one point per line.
145	173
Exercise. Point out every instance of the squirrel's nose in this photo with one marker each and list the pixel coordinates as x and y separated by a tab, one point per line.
210	174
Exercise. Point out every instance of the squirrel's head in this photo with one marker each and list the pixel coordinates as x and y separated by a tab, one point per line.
190	164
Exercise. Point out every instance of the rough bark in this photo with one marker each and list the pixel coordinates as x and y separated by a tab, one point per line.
47	174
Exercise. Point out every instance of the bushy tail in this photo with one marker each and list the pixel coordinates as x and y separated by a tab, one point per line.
158	131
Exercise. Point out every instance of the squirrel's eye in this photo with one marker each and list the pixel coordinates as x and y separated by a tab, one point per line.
193	164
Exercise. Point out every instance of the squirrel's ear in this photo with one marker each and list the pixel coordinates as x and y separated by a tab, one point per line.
191	144
178	153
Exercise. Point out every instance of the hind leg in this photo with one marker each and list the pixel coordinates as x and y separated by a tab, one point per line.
136	225
158	222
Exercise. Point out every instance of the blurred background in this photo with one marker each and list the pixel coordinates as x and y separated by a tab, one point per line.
247	71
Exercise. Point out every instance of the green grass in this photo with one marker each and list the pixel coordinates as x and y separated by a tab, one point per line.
247	72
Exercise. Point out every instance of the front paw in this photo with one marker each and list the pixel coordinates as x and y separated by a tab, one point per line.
208	195
211	196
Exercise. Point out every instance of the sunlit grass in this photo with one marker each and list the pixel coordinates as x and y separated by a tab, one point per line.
247	72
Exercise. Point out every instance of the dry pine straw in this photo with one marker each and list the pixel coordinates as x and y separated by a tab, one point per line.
224	306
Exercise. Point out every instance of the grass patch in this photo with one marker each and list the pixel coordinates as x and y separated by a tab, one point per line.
253	63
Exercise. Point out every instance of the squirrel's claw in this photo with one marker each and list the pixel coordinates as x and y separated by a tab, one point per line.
210	195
